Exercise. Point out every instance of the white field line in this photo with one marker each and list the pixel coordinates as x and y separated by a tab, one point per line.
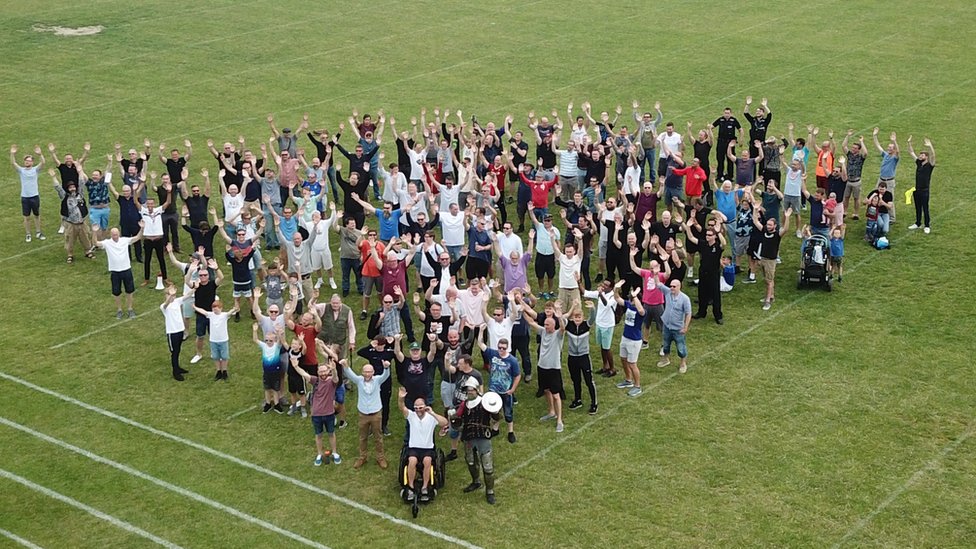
30	251
116	324
930	466
242	412
88	509
163	484
14	537
243	463
693	363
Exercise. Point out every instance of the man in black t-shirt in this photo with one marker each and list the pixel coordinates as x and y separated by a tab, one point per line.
205	292
729	130
924	164
175	162
768	250
758	125
710	270
413	371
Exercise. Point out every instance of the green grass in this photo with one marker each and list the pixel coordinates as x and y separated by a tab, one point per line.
792	427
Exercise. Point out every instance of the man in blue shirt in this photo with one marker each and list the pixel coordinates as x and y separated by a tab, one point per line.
889	166
389	218
676	320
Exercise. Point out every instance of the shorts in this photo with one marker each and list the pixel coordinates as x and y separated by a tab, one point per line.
296	384
120	278
340	394
740	244
369	282
187	308
768	267
791	202
271	380
836	261
420	453
601	247
322	260
99	216
30	205
822	182
203	325
242	290
670	193
323	423
630	349
662	166
545	265
853	189
551	380
604	337
447	394
220	350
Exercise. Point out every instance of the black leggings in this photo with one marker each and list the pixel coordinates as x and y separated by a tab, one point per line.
520	345
175	342
579	366
921	199
386	391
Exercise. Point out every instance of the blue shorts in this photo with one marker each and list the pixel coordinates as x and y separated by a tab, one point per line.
220	350
507	410
323	423
203	324
99	216
340	394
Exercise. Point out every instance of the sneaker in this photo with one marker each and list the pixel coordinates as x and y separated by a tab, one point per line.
319	283
304	412
625	384
547	417
292	409
576	404
363	315
751	279
913	226
336	459
767	305
598	279
60	230
856	217
661	352
195	359
779	260
318	460
132	314
218	376
490	498
27	238
644	345
118	314
471	487
178	376
511	438
332	283
610	373
799	233
635	392
664	362
386	431
926	230
40	236
593	409
267	408
451	456
559	427
278	408
342	423
495	433
683	368
691	273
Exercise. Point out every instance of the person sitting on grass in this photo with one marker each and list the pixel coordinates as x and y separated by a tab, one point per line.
323	399
219	338
423	420
271	366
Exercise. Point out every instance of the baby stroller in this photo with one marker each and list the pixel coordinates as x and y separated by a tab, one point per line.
436	480
813	270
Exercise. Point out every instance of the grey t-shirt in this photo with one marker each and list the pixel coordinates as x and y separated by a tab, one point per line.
550	349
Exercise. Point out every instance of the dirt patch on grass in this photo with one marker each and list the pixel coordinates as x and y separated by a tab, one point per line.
69	31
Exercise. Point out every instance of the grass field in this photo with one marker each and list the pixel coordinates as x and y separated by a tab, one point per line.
833	419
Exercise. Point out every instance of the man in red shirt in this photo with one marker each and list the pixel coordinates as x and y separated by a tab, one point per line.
306	329
695	178
540	188
370	254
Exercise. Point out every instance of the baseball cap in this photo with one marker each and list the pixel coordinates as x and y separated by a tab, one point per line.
414	345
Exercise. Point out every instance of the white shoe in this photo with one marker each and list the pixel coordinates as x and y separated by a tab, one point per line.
195	359
61	229
926	230
799	233
766	305
318	284
661	352
332	283
27	238
912	227
691	273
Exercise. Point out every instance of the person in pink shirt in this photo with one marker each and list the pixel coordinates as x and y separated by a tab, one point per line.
651	296
470	301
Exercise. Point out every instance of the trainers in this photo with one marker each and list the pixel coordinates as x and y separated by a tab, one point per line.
625	384
490	498
451	456
319	283
195	359
664	362
644	345
343	424
598	279
661	352
132	314
60	230
913	226
267	408
511	438
528	378
926	230
359	463
217	376
304	412
471	487
278	408
118	314
576	404
177	376
636	391
318	460
547	417
799	233
332	283
593	409
362	315
336	459
386	431
683	368
494	433
40	236
27	238
767	305
560	427
292	409
751	279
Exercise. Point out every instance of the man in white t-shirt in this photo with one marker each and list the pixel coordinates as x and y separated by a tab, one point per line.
508	241
452	230
420	446
673	141
499	325
569	270
120	267
606	319
172	309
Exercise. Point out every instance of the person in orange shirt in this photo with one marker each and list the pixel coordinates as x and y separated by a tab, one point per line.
825	158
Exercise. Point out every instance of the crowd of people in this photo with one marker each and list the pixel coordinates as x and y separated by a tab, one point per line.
444	253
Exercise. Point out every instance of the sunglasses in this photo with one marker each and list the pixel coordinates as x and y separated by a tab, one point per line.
387	302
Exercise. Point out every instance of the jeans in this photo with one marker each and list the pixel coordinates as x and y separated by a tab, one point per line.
351	264
171	229
334	184
454	252
676	337
520	346
649	159
271	237
884	222
374	177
